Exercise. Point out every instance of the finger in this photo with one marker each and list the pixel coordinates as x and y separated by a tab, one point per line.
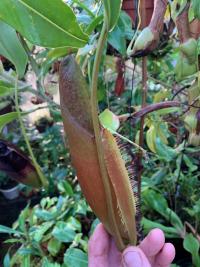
134	257
166	256
98	247
99	241
114	256
153	243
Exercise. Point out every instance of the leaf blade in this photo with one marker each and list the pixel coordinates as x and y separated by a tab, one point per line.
7	118
45	23
75	257
11	48
112	9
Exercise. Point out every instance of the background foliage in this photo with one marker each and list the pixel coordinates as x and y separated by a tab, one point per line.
55	232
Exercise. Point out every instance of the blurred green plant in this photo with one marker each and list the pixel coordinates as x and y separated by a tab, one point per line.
170	184
52	232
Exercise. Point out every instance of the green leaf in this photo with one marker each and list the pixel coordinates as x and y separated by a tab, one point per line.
85	7
39	231
158	177
74	224
6	260
26	261
121	32
191	244
189	163
47	263
170	232
157	202
112	10
45	23
165	111
54	246
109	120
11	48
165	152
12	241
65	187
8	230
196	8
45	215
92	26
125	19
75	258
187	63
24	215
81	207
63	233
116	38
27	251
6	91
60	52
177	6
7	118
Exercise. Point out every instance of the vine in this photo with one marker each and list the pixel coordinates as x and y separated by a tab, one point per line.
41	176
94	107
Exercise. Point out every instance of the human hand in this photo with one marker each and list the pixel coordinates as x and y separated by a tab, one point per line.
152	251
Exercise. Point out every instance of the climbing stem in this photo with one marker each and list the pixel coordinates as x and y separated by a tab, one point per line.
98	138
32	61
142	122
43	179
141	135
130	46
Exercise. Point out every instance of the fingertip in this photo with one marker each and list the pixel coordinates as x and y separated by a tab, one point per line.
131	249
166	256
153	242
100	228
157	233
99	241
134	256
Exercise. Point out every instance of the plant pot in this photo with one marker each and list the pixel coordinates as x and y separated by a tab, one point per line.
11	193
129	7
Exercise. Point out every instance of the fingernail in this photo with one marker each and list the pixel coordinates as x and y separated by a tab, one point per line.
132	258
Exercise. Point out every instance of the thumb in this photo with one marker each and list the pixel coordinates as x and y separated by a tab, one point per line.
134	257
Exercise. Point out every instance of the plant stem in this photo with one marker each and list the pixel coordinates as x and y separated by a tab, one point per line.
141	136
85	8
178	178
43	179
182	24
148	109
24	87
36	70
180	90
130	46
159	11
164	84
97	131
32	61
